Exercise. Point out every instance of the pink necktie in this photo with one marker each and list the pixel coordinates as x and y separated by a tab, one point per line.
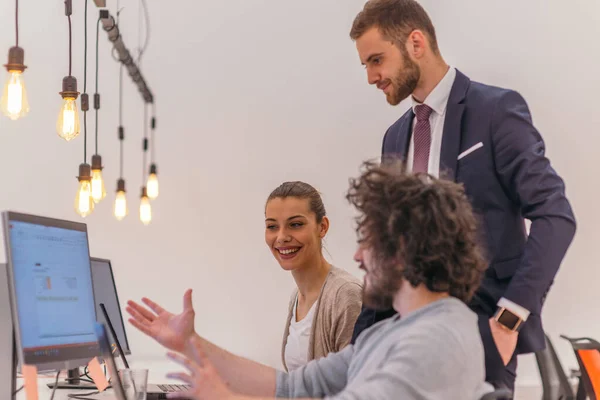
422	138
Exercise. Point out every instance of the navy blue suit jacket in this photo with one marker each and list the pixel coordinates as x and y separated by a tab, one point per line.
507	179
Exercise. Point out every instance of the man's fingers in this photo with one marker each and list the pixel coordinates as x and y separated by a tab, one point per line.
137	316
144	328
181	376
141	310
187	300
153	306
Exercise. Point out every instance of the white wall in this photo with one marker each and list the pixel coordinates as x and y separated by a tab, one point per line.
251	93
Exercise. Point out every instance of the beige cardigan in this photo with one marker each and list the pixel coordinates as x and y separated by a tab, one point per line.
337	309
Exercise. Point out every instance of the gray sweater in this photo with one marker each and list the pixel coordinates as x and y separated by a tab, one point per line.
433	353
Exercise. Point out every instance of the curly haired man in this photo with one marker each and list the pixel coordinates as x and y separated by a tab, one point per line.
418	247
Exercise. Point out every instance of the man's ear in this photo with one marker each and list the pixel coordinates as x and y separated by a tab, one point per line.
416	44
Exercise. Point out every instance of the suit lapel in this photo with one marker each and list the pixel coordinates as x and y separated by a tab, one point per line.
451	141
451	136
403	138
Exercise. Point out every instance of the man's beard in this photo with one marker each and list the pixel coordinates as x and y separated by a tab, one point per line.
405	82
380	289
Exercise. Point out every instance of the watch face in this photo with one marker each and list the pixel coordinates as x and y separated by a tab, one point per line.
508	319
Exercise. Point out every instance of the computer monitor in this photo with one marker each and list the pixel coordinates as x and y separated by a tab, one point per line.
105	292
51	295
7	360
106	351
110	317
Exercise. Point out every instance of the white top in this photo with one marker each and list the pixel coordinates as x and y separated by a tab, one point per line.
296	348
437	100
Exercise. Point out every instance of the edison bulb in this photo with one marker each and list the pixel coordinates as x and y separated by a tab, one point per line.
145	210
67	125
121	210
152	186
98	188
14	102
84	203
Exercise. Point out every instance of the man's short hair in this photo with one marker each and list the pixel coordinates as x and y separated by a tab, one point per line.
395	19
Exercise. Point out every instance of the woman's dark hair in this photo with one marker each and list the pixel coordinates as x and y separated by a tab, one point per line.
419	228
301	190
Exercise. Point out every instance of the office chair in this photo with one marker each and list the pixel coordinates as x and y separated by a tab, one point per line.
555	384
587	352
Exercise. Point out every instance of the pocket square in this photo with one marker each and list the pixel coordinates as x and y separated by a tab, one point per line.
470	150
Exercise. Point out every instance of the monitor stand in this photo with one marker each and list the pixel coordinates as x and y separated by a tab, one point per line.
14	365
73	381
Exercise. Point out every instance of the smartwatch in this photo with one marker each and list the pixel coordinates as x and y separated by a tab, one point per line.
508	319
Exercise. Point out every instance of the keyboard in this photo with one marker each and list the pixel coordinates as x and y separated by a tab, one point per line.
174	388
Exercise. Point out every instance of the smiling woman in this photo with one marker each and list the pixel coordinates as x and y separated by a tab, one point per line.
324	307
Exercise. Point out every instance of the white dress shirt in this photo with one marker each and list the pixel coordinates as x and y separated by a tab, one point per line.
437	100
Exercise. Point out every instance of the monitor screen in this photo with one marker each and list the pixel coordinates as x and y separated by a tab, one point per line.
105	292
51	291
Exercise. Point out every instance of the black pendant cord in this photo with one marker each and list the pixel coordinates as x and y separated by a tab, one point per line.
152	135
121	133
17	22
97	95
142	48
70	44
121	130
85	84
145	144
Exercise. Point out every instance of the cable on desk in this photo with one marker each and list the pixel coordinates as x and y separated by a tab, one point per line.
18	390
83	396
55	385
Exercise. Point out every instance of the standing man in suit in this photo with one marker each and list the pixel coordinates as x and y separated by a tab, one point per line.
483	137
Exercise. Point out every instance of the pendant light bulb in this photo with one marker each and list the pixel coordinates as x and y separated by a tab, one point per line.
84	203
98	188
145	208
152	183
14	103
67	125
120	208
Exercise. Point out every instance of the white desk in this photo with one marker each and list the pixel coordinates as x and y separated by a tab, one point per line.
158	370
530	393
61	394
157	374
